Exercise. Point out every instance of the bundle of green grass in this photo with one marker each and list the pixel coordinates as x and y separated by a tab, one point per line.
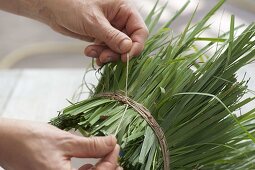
193	102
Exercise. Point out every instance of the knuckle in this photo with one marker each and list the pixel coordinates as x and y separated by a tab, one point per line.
68	141
94	143
90	20
92	17
112	35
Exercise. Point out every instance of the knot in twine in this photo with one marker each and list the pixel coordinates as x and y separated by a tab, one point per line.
146	115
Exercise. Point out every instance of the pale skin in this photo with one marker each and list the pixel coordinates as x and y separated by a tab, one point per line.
27	145
116	28
114	25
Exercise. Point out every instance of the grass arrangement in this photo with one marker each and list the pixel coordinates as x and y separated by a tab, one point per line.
193	102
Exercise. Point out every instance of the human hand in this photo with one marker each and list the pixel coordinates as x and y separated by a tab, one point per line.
25	145
115	26
123	31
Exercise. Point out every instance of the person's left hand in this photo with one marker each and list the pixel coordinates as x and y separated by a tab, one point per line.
26	145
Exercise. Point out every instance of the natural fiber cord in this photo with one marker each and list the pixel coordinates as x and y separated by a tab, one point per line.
145	113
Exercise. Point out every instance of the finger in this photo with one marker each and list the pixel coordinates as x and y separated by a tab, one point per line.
86	167
94	50
98	62
110	162
120	18
137	48
138	45
94	147
108	56
64	31
105	54
138	32
124	57
115	39
119	168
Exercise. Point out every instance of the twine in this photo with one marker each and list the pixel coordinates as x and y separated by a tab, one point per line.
145	113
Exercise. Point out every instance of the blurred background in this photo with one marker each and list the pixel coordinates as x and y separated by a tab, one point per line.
25	43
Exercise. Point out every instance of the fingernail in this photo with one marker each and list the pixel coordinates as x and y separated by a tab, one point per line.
119	168
125	45
93	53
111	141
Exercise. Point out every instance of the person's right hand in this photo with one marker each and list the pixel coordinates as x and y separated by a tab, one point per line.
115	26
25	145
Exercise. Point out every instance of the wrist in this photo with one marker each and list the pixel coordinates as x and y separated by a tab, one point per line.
39	10
19	7
35	9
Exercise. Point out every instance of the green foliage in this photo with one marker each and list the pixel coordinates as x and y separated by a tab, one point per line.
194	103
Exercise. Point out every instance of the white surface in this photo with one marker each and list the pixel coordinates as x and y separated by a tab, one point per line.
38	94
7	79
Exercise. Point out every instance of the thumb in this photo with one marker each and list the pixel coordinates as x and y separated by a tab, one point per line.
93	147
110	161
115	39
